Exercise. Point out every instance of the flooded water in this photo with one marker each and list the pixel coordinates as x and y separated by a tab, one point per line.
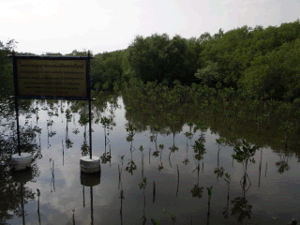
164	180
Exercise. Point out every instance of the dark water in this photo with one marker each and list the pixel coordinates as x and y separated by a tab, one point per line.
171	187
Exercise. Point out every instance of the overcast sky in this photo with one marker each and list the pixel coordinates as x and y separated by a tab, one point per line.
41	26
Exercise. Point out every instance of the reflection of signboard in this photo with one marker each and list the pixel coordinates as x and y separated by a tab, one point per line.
52	77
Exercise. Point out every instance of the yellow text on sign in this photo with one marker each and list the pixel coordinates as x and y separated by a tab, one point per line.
64	78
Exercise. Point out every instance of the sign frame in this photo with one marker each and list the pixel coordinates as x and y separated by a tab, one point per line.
34	57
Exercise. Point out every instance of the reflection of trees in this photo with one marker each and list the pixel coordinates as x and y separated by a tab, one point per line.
239	112
241	209
14	194
282	164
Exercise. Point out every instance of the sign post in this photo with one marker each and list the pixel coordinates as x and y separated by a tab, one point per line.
52	77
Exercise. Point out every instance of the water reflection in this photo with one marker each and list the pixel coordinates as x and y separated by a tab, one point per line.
90	180
177	132
13	190
21	195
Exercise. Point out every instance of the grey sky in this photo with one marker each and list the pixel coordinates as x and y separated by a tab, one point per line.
41	26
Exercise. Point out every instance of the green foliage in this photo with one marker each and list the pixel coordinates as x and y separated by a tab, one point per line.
197	191
209	75
6	68
159	58
244	152
199	149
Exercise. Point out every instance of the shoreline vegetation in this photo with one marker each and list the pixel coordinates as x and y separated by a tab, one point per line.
246	75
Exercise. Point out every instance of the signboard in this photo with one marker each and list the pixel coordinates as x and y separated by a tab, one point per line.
52	77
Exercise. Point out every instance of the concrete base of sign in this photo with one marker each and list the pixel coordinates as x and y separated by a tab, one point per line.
88	165
21	162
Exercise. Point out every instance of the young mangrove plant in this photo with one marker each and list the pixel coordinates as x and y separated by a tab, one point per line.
244	154
226	209
219	171
120	170
209	193
189	136
200	150
107	124
160	167
130	134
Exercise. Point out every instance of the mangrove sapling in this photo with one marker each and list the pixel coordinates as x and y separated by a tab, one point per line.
177	180
120	171
200	125
219	171
68	141
226	209
107	125
52	184
121	208
209	193
131	132
154	191
200	151
160	167
186	160
244	154
38	206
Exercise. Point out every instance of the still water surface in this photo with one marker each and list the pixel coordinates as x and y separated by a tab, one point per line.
163	185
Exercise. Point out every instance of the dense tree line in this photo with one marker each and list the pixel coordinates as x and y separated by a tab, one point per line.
260	62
